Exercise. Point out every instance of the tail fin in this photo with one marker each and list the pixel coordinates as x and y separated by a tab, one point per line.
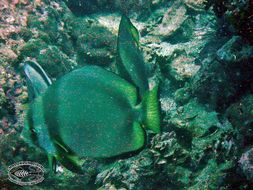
36	78
151	109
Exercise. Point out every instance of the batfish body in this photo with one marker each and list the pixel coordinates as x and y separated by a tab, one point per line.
93	112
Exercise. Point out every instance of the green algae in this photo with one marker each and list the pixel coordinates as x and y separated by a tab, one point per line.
58	63
32	48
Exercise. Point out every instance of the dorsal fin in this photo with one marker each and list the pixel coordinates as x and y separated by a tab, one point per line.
130	62
36	78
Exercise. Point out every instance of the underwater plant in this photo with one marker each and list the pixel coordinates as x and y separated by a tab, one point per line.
91	112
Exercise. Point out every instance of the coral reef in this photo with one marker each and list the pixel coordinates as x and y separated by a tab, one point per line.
232	11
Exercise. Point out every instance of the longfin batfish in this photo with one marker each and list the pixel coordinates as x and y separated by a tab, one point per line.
91	112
